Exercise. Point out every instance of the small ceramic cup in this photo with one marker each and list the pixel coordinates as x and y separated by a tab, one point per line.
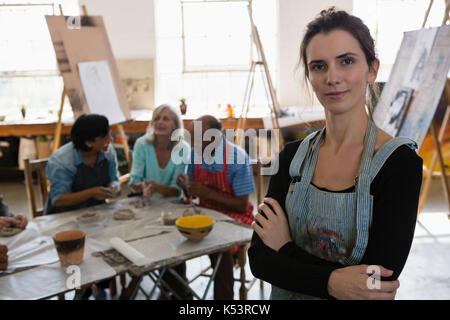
70	246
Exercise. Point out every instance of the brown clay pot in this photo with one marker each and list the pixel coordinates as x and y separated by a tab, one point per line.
183	108
70	246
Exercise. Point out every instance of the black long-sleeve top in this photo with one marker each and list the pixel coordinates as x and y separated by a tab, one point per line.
396	191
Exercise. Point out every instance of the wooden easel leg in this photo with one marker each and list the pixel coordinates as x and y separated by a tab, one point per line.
57	135
123	137
426	185
441	165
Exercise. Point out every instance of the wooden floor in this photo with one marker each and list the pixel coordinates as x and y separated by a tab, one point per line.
425	275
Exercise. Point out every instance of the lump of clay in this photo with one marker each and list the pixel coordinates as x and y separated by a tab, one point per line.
9	231
88	217
141	203
124	214
192	211
168	218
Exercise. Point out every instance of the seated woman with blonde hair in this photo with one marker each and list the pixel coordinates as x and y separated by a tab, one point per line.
154	169
157	164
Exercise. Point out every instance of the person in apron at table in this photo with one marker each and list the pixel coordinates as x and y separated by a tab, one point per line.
83	173
154	170
343	205
222	179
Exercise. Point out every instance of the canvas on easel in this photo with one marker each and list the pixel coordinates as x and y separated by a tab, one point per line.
422	65
89	71
426	73
88	43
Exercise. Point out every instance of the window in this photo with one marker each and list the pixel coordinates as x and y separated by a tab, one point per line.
204	52
29	76
211	34
389	19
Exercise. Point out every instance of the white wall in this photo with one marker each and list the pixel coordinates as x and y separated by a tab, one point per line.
294	15
130	26
131	31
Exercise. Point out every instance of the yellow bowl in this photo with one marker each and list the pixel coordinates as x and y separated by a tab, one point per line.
195	227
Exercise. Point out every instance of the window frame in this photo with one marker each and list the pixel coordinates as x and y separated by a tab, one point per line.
218	68
36	72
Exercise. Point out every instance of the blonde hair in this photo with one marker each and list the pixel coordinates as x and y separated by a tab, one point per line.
150	135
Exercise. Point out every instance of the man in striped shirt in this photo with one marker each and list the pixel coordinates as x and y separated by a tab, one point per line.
220	174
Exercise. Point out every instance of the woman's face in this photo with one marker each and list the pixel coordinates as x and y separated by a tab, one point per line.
100	144
164	123
338	71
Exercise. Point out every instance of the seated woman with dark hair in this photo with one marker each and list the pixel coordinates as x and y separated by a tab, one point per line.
83	172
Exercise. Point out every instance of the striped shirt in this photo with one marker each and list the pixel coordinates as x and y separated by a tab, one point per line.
240	174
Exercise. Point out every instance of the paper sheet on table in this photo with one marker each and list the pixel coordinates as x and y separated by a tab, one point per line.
174	245
29	284
99	90
34	246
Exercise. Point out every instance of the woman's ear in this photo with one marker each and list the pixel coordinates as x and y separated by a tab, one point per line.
373	71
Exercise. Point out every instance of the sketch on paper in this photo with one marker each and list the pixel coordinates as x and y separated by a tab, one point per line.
99	90
397	110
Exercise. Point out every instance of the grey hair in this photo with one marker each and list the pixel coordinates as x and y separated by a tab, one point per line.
150	134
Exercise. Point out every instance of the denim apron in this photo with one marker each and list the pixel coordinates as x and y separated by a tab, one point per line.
331	225
86	177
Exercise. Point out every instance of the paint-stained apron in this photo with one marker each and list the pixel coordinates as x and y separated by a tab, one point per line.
86	177
332	225
218	181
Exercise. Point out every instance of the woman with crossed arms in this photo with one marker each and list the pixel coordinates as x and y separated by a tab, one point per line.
343	203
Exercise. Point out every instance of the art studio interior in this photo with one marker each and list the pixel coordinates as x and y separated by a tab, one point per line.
224	149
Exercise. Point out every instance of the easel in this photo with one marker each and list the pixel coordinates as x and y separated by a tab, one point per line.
272	101
57	134
437	155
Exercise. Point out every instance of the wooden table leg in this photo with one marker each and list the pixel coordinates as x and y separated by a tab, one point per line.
241	262
113	286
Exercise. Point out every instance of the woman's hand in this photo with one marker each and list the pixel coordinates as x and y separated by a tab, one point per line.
274	231
136	187
19	221
148	188
100	193
115	191
5	222
353	283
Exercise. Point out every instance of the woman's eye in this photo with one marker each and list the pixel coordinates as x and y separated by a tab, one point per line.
347	61
317	67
